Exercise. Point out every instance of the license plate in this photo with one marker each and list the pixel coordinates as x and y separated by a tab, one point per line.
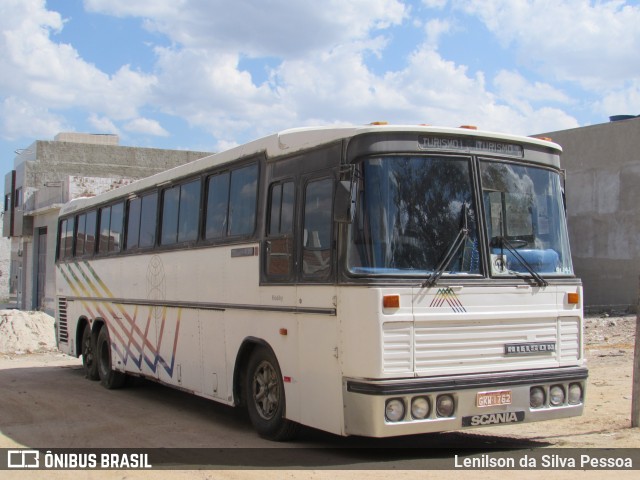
492	399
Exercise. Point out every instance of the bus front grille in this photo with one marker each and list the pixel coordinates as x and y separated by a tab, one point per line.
455	347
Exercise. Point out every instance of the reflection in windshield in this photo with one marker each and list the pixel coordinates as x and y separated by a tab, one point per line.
410	212
523	205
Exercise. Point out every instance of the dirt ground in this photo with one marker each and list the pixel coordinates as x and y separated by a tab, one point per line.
35	379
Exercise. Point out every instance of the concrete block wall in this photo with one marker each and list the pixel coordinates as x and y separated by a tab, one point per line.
603	206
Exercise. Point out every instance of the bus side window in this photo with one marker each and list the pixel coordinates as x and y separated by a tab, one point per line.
81	235
242	200
111	226
133	223
90	233
316	245
65	245
148	220
280	229
217	206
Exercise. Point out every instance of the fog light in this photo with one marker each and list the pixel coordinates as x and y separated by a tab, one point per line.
575	394
445	405
536	397
556	395
420	408
394	410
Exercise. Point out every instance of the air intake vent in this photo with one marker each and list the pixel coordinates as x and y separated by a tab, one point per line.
63	329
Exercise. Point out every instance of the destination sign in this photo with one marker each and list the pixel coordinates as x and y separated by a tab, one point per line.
470	145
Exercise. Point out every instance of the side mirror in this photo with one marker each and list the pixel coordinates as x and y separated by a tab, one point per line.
344	209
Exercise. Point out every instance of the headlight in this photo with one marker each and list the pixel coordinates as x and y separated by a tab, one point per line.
420	408
575	393
394	410
536	397
445	405
556	395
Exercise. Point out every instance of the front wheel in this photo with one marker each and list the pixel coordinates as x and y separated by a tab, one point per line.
265	397
109	378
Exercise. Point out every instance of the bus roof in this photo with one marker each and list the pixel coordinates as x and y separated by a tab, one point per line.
288	142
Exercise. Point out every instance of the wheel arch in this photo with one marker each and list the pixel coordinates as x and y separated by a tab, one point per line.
248	346
80	326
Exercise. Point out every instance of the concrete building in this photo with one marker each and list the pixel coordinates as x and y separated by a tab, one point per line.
46	175
603	204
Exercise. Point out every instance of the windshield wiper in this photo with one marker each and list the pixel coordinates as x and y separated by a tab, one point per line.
504	243
463	233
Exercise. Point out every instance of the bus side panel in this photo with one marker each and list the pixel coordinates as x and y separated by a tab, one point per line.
184	369
214	361
320	377
265	330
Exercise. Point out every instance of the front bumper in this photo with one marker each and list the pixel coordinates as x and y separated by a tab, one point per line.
365	401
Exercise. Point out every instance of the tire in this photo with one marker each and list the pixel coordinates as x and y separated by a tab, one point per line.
89	360
109	378
265	396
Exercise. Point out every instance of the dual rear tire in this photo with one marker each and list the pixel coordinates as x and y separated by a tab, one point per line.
97	361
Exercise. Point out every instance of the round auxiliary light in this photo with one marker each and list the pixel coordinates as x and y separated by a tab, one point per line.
575	394
445	405
556	395
420	408
536	397
394	410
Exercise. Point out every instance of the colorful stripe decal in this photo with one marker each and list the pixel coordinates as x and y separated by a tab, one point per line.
447	295
129	341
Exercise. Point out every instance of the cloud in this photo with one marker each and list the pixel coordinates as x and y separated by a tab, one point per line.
593	44
20	119
624	101
146	126
256	28
103	124
52	75
516	90
317	71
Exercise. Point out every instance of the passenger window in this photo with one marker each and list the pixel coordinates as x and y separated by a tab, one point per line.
80	235
281	211
180	213
133	223
316	245
148	220
111	222
217	206
66	239
231	203
105	220
116	227
189	211
279	246
242	200
90	233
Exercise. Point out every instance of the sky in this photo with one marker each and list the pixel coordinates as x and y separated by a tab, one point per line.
211	74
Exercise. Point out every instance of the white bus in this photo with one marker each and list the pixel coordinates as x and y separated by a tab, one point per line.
377	280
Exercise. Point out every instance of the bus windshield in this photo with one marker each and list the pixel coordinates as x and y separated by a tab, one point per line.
525	220
411	211
417	217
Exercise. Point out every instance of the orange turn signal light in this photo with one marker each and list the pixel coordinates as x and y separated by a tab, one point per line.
391	301
469	127
573	298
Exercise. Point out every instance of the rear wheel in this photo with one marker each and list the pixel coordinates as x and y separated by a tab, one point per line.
109	378
265	397
89	361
